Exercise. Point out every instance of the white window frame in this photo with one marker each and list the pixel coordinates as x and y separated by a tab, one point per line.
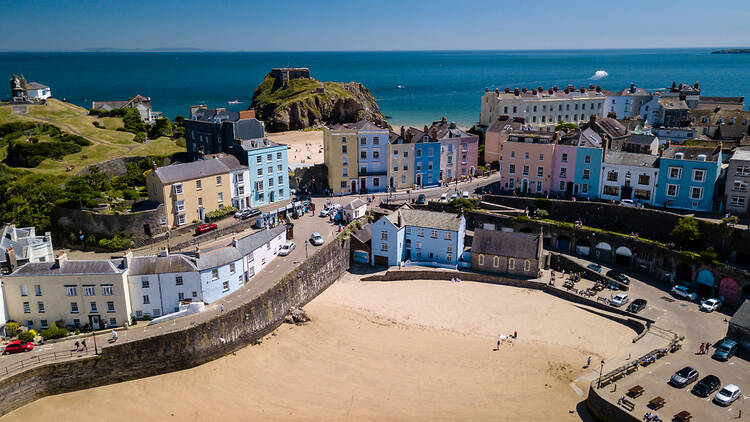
676	190
679	173
693	189
702	173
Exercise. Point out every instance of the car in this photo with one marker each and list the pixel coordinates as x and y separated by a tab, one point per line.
203	228
706	386
465	195
628	203
637	305
249	213
421	199
684	377
286	248
684	293
727	395
316	239
726	349
595	267
710	305
324	212
18	346
622	278
444	197
620	299
454	196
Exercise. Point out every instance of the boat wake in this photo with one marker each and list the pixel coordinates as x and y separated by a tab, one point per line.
599	74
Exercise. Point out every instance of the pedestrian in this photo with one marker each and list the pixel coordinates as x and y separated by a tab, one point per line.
515	334
588	362
498	344
114	336
83	344
222	308
700	351
78	345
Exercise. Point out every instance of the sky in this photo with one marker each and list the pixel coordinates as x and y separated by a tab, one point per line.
353	25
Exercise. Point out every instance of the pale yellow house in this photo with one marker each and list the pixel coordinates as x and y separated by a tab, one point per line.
400	160
340	157
91	292
190	190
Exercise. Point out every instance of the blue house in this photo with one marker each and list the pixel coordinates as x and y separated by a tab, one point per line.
269	170
418	236
426	159
687	177
588	165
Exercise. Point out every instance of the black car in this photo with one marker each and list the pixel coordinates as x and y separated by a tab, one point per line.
250	212
637	305
421	199
684	377
622	278
706	386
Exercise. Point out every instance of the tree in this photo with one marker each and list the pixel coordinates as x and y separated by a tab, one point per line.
30	201
132	121
178	127
726	227
161	127
686	233
565	126
78	189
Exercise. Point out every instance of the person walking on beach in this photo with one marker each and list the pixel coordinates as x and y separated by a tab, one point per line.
498	344
588	362
221	309
114	336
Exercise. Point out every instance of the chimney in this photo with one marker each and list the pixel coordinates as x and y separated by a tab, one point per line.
453	125
533	91
486	89
10	256
444	119
556	88
247	114
515	92
497	91
566	90
400	219
683	97
674	85
598	88
524	90
539	89
557	136
425	130
583	90
550	91
591	87
696	86
402	132
433	133
507	90
592	119
127	257
60	259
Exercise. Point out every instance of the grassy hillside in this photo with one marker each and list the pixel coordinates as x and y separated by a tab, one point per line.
296	90
106	142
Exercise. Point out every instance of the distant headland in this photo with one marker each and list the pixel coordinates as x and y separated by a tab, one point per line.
732	51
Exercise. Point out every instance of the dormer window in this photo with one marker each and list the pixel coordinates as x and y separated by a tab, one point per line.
679	156
701	157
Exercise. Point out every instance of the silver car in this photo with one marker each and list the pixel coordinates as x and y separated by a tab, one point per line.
728	394
286	248
316	239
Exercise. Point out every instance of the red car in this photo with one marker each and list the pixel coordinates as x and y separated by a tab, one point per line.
203	228
18	346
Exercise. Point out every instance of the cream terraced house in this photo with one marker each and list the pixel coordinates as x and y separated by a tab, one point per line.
80	293
189	191
340	154
541	108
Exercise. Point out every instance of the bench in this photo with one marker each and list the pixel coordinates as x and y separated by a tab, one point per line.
627	404
656	403
683	416
636	391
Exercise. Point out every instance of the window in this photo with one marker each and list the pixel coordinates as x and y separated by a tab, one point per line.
225	286
180	296
403	178
146	300
92	307
344	185
675	172
434	234
363	154
449	257
739	186
699	175
512	168
586	174
363	141
269	157
113	322
563	172
279	167
644	179
376	154
343	149
181	219
71	291
541	157
673	190
218	180
178	280
240	178
449	236
38	290
43	323
231	268
525	155
179	206
220	197
40	306
73	307
144	283
420	232
511	263
259	185
562	186
512	154
742	171
107	290
214	274
178	188
89	290
258	159
540	172
480	259
585	188
587	159
23	291
696	192
376	182
525	170
612	176
384	247
383	235
611	190
26	308
278	156
737	201
527	265
564	157
110	306
270	170
260	171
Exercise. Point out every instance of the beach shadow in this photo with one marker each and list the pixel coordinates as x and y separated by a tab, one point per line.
583	412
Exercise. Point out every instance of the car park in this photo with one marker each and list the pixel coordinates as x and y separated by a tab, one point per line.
421	199
727	395
726	349
706	386
620	299
710	305
316	239
18	346
286	248
203	228
622	278
637	305
628	203
684	293
595	267
684	377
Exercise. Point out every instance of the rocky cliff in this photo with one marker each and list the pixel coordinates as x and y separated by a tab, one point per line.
305	102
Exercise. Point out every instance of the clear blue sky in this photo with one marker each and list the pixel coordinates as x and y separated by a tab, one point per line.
315	25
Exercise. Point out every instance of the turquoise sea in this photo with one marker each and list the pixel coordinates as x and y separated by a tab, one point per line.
435	83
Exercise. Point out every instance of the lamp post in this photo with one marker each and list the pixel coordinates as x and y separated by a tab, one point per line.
93	334
306	242
601	368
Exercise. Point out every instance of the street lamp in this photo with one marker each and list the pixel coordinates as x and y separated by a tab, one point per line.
93	334
306	242
599	383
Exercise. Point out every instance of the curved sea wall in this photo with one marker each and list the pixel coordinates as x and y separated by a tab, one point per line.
187	348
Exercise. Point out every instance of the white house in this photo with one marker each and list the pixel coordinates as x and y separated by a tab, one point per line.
626	103
21	245
354	210
37	91
239	179
628	175
159	284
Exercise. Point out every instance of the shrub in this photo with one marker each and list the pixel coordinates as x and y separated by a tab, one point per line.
521	219
543	203
131	194
117	243
54	332
220	213
96	123
462	204
132	121
140	137
161	127
11	328
686	233
542	213
27	336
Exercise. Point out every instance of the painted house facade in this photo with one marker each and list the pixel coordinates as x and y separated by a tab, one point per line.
213	131
340	155
564	168
687	177
37	91
401	160
496	135
628	175
372	166
527	161
513	253
426	160
626	103
738	179
159	284
268	170
588	164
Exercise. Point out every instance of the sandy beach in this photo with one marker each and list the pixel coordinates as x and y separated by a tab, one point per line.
306	146
413	350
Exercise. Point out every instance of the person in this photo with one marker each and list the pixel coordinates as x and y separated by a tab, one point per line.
83	344
222	307
114	335
515	334
78	345
588	361
700	350
498	344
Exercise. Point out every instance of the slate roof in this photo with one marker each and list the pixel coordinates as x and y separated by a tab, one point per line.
36	85
638	92
736	131
258	143
741	154
691	153
641	139
714	115
590	139
364	234
631	159
211	115
174	263
711	102
355	204
672	103
101	266
502	125
360	125
741	318
447	129
197	169
609	126
513	244
248	129
110	105
426	219
222	255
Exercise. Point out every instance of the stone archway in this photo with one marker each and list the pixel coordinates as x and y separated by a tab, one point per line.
563	243
746	293
729	290
603	251
705	281
583	247
623	256
684	274
525	230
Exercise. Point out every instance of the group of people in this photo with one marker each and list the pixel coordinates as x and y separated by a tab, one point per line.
81	345
650	417
456	279
503	337
704	348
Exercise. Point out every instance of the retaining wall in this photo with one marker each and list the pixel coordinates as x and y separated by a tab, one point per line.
187	348
604	411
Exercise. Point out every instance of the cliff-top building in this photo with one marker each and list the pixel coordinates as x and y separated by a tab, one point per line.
212	131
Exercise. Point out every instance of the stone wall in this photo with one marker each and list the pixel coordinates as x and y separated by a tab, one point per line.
187	348
426	274
604	411
89	222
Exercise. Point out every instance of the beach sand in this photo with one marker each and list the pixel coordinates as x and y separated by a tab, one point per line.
306	146
413	350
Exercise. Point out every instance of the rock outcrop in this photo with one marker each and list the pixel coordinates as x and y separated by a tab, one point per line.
300	103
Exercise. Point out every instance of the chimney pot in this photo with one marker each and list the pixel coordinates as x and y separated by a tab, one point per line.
507	90
598	88
497	90
549	91
556	88
444	119
524	90
515	91
592	118
486	89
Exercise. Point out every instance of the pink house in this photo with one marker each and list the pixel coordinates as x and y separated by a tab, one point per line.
526	161
564	167
469	150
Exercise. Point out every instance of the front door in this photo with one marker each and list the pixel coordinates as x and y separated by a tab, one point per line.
95	322
271	196
354	186
362	185
525	185
575	189
201	213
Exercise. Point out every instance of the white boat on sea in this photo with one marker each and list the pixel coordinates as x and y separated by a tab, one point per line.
233	102
400	87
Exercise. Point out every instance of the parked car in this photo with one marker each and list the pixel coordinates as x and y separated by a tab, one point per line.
203	228
18	346
727	395
286	248
706	386
454	196
444	197
726	349
637	305
710	305
465	195
324	212
622	278
684	377
620	299
316	239
628	203
595	267
421	199
684	293
249	213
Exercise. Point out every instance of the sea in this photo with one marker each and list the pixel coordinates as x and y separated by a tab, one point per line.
411	87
